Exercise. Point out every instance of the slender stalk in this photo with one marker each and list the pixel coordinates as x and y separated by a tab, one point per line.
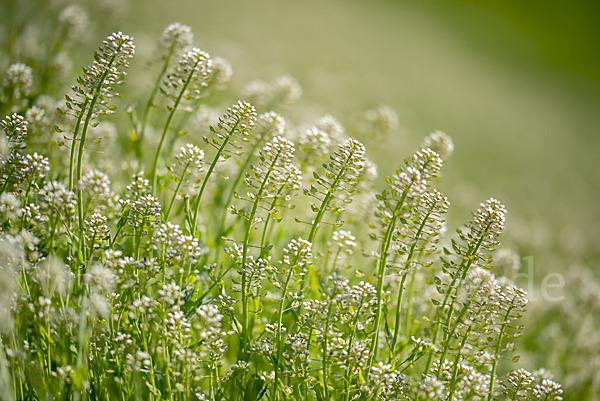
325	353
12	170
150	104
456	362
74	139
138	241
464	267
495	363
245	251
450	334
241	171
401	288
409	303
279	332
86	124
350	345
176	191
208	174
385	246
168	124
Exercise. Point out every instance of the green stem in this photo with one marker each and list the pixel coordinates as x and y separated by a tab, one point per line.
385	245
401	289
139	239
456	362
150	104
458	351
168	124
7	181
86	125
325	353
350	345
245	251
236	183
208	174
450	334
495	363
279	332
397	322
74	139
464	267
409	303
176	191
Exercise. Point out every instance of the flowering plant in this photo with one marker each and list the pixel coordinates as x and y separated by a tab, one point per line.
188	285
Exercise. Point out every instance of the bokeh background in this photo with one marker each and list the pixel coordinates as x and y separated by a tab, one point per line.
516	83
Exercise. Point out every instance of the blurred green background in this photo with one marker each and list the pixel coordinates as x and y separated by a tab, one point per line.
515	83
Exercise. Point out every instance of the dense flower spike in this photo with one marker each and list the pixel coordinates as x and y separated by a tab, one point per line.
190	76
316	141
341	176
190	155
221	74
238	120
99	79
236	123
15	128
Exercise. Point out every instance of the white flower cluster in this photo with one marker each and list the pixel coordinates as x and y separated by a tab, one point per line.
174	245
191	155
190	76
239	119
100	79
15	128
298	253
416	176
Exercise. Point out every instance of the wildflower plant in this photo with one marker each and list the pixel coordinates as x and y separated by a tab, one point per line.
134	284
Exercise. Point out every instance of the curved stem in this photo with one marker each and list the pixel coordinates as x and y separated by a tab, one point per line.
168	124
243	168
86	125
249	226
150	104
208	174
